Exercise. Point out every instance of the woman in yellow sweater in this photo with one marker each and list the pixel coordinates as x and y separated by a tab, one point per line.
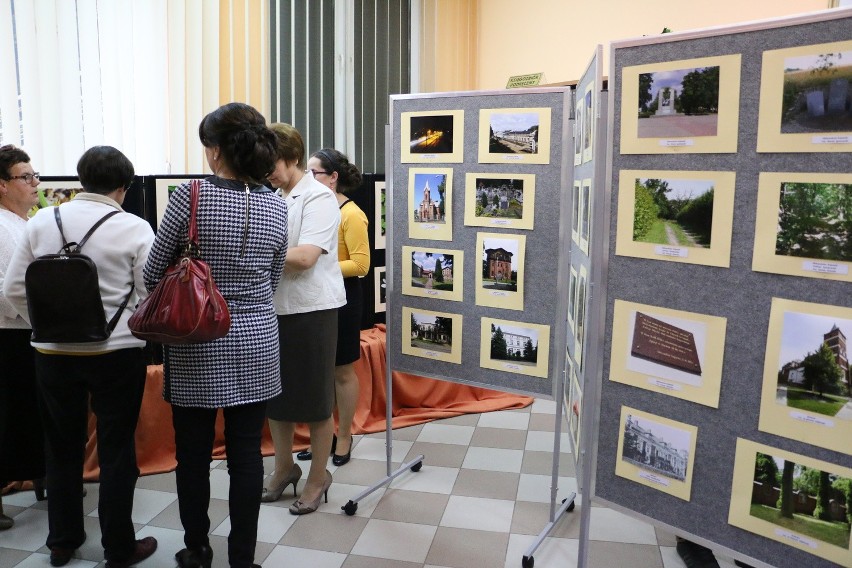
334	169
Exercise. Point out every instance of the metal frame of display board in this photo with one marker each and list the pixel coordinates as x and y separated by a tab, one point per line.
746	312
558	326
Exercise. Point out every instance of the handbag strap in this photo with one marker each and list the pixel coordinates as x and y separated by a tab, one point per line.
194	191
66	246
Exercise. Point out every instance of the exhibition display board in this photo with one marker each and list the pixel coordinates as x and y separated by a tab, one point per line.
725	401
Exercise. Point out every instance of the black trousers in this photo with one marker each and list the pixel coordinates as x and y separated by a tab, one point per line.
194	434
116	382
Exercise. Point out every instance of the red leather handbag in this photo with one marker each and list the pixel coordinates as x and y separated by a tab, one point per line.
186	306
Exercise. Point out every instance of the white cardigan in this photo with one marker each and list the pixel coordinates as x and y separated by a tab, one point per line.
119	248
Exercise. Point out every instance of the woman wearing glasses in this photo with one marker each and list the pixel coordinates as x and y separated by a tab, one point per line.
334	170
21	446
306	302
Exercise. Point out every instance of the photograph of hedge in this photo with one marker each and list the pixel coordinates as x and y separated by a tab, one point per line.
816	93
676	212
815	221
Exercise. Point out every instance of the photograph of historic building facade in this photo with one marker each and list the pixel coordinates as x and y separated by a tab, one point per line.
432	270
428	194
498	271
514	133
510	343
431	332
646	446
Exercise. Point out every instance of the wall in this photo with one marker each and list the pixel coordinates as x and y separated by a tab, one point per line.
448	45
558	37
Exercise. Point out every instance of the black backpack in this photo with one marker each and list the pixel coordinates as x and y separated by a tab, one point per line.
64	295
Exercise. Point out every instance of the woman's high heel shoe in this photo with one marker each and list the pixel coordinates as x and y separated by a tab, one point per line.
38	488
344	459
201	557
303	508
270	495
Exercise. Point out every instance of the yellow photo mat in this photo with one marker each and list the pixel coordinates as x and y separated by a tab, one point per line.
495	298
765	258
585	215
769	135
542	156
423	230
454	157
539	369
408	288
795	423
470	202
646	474
719	252
440	354
589	114
659	378
725	140
739	514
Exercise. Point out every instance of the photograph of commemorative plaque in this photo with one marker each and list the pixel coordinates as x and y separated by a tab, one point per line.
667	351
665	344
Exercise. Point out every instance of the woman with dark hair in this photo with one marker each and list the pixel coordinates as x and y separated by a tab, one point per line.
306	302
21	445
110	374
334	170
242	233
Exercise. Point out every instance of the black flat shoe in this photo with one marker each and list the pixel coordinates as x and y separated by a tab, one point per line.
201	557
304	455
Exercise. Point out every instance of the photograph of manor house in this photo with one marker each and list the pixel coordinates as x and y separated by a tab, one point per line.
817	96
656	447
682	102
498	197
815	221
499	267
432	270
513	343
432	134
813	365
808	501
431	332
429	190
515	133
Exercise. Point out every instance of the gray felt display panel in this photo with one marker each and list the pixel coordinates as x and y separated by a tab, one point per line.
544	258
736	293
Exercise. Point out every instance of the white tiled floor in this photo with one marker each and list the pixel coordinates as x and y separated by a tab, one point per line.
480	500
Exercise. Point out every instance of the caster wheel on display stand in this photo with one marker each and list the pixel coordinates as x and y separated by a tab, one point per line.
350	508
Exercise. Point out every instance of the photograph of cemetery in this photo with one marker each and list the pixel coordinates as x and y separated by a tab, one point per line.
801	499
500	198
513	343
656	447
432	270
815	221
813	365
515	133
431	332
500	264
675	212
429	197
678	103
431	134
816	95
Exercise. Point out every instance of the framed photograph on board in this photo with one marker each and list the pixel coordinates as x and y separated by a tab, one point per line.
163	188
433	335
804	99
589	110
585	214
806	379
433	273
514	347
430	203
656	452
775	493
576	204
500	277
676	216
379	218
380	288
514	136
56	192
580	317
503	201
572	299
575	407
670	352
689	106
803	225
435	136
579	129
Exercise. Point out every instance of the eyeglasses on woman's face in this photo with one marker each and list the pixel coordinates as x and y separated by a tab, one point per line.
317	172
28	178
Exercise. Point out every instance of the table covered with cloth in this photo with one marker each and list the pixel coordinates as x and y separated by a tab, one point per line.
415	400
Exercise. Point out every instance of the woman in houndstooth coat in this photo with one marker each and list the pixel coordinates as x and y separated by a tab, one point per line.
242	233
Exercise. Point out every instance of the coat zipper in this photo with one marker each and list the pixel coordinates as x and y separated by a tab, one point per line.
246	225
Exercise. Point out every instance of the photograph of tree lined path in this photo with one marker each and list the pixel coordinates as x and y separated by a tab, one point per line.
681	102
816	93
432	270
804	500
811	373
676	212
815	221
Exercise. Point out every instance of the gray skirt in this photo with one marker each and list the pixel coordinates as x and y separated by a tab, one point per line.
308	343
